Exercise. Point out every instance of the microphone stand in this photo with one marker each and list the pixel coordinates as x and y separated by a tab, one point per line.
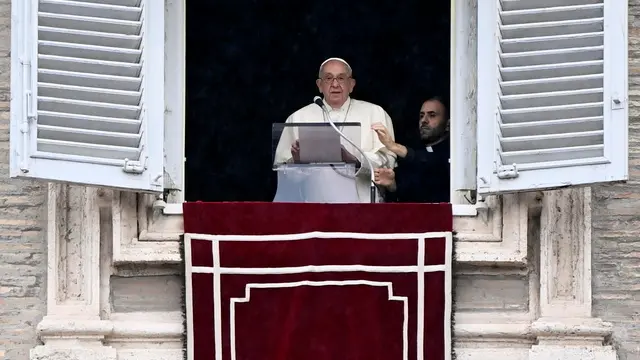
325	114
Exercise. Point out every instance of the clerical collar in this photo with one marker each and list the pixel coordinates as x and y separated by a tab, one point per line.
436	145
343	108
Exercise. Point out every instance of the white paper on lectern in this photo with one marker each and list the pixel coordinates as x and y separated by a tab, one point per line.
318	184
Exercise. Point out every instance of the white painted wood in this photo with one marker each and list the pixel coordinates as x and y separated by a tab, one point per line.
552	111
89	106
463	93
174	119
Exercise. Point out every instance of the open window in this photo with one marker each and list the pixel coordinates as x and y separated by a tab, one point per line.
94	93
238	84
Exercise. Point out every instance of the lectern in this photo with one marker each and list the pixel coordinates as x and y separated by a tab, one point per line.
323	170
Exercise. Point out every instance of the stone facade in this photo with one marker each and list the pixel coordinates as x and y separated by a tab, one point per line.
23	250
616	227
100	267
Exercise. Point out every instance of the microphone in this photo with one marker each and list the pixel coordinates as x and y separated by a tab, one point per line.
325	114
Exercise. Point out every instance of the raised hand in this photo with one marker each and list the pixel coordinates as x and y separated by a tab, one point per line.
383	135
387	140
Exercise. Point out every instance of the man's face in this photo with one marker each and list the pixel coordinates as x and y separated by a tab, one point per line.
335	83
433	121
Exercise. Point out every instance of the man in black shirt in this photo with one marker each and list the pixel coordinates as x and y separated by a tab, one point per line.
422	174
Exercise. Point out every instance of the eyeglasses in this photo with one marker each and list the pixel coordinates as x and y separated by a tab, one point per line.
328	79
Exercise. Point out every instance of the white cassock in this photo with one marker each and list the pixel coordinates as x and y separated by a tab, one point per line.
365	113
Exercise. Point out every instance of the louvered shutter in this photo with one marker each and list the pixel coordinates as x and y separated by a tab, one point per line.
87	92
552	93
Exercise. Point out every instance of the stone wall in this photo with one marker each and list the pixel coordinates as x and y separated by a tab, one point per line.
23	268
616	226
485	291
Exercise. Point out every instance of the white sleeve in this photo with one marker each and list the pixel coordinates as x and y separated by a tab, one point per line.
288	137
376	152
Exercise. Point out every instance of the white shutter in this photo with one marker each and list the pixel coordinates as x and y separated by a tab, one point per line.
552	93
87	92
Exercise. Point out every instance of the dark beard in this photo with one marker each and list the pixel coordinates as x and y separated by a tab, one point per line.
430	135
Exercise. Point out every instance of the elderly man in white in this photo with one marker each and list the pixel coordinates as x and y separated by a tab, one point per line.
335	82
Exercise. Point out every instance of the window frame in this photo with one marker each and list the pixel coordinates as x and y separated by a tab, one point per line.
462	95
493	232
174	116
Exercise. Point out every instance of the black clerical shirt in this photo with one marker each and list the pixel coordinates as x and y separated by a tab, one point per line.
423	175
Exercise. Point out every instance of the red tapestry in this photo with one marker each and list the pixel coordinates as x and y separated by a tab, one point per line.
285	281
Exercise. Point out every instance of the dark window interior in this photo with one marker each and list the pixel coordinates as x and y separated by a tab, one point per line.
250	63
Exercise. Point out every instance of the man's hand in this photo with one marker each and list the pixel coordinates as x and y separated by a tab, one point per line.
295	151
387	140
385	177
383	135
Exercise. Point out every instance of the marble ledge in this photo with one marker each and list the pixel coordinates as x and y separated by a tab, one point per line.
571	328
168	326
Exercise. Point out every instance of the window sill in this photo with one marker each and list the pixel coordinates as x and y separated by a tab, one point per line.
466	210
172	209
458	210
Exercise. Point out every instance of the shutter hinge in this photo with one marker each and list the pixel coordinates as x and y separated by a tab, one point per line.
28	116
31	106
507	171
24	131
133	167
